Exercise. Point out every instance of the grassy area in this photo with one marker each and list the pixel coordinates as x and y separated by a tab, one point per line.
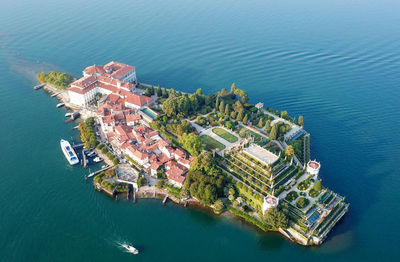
211	143
225	135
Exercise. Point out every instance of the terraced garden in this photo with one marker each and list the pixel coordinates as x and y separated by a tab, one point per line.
225	135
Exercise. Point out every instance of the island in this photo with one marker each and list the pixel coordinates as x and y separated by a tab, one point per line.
216	150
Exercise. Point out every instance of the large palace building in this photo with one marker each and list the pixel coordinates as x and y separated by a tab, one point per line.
112	78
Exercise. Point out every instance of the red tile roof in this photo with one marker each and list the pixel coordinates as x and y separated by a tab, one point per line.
94	69
138	100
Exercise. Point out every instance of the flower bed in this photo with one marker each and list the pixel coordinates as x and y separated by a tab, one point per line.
292	195
303	185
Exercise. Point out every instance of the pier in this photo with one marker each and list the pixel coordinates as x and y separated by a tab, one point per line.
99	171
165	200
84	158
56	94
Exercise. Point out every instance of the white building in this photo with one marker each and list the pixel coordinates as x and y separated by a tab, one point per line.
270	202
313	167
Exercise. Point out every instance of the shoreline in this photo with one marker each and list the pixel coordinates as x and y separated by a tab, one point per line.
155	193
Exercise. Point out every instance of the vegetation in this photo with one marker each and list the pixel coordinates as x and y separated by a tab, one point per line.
249	218
211	143
225	135
191	143
302	202
301	120
275	218
88	135
59	80
292	195
141	181
218	206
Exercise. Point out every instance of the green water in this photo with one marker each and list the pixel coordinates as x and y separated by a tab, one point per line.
337	63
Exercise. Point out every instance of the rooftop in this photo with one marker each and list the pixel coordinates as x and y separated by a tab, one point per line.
261	154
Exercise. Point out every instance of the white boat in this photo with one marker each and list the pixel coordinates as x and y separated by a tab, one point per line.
104	166
92	154
68	114
98	159
69	152
130	249
60	105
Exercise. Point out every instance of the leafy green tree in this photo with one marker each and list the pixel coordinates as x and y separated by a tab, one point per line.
242	132
159	91
217	103
141	181
199	92
232	191
284	114
191	143
227	109
289	151
275	218
274	132
160	183
245	119
301	120
233	114
223	92
260	123
218	205
317	186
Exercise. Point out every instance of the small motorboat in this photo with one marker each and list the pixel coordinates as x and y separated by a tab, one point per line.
130	249
68	114
92	154
104	166
60	105
98	159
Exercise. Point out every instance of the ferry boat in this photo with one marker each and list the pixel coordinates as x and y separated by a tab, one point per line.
60	105
69	152
130	249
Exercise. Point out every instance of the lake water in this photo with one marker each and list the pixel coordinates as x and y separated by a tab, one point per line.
335	62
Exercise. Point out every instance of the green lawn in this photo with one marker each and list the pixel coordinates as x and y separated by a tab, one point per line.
211	143
225	135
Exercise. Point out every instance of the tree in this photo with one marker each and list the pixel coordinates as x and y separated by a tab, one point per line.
233	114
159	91
217	103
284	114
289	151
267	126
160	183
233	88
199	92
260	123
275	218
301	120
191	143
245	120
223	92
218	205
274	132
164	93
242	132
141	181
239	116
227	109
222	106
232	191
317	186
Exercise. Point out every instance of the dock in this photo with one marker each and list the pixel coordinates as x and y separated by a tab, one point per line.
56	94
99	171
165	200
84	159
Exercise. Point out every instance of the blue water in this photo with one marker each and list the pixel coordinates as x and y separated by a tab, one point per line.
335	62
